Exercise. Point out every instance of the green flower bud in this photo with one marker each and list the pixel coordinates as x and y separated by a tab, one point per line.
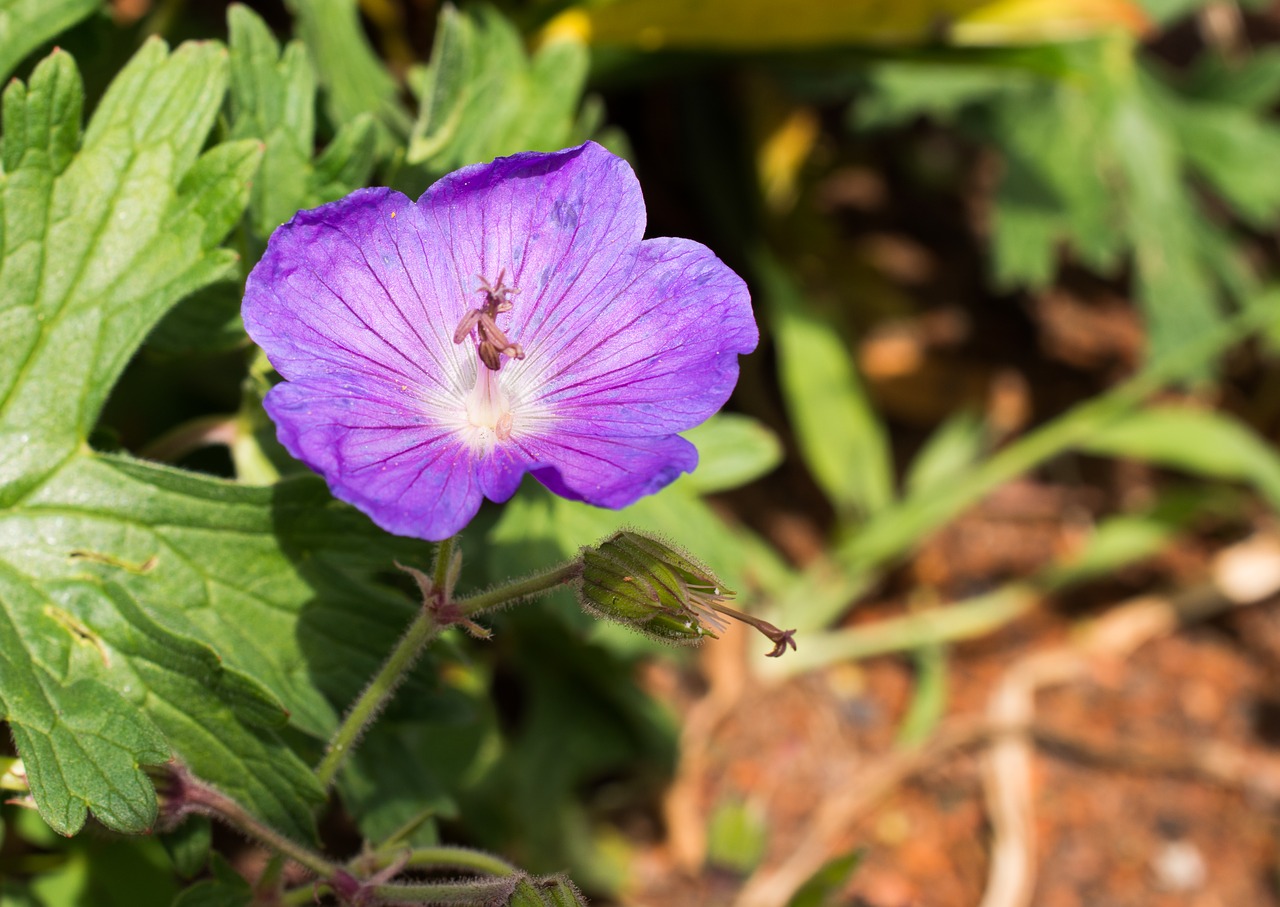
553	891
660	591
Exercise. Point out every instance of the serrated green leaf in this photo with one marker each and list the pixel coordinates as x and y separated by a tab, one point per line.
147	612
79	313
129	241
482	96
26	24
841	438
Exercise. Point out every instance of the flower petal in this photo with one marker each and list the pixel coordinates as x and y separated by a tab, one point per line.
558	225
348	288
612	472
410	478
658	358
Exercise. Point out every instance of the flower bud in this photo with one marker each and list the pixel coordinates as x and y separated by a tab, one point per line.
660	591
553	891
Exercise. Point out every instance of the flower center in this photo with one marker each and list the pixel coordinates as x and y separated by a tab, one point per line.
488	411
482	324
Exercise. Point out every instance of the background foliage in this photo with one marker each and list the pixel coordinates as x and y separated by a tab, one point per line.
171	583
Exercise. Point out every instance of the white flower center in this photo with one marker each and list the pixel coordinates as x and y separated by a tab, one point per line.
489	416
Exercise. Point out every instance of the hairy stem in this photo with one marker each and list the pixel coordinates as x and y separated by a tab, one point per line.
198	797
421	630
537	584
440	857
481	891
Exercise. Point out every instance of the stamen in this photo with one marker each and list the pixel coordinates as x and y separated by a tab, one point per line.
491	342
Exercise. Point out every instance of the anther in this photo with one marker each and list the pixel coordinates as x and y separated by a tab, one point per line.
491	342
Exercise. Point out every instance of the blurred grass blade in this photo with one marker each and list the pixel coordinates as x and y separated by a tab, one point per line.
956	445
929	699
830	587
841	439
1200	442
1116	542
824	889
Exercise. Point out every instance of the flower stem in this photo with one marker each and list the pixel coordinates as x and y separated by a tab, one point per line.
444	555
199	797
524	588
445	857
421	630
481	891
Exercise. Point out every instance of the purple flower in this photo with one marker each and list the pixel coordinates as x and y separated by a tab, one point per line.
512	320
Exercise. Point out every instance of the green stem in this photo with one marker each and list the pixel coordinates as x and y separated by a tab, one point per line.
198	797
444	557
305	895
204	431
537	584
929	627
481	891
443	857
421	630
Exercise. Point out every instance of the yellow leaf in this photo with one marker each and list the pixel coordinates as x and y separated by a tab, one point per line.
760	25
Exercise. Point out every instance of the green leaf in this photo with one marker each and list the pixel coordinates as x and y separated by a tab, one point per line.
737	837
189	846
106	871
1229	146
355	81
227	888
273	96
900	92
1097	151
482	96
929	698
823	890
1252	83
1201	442
733	450
842	441
74	318
146	612
951	450
26	24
